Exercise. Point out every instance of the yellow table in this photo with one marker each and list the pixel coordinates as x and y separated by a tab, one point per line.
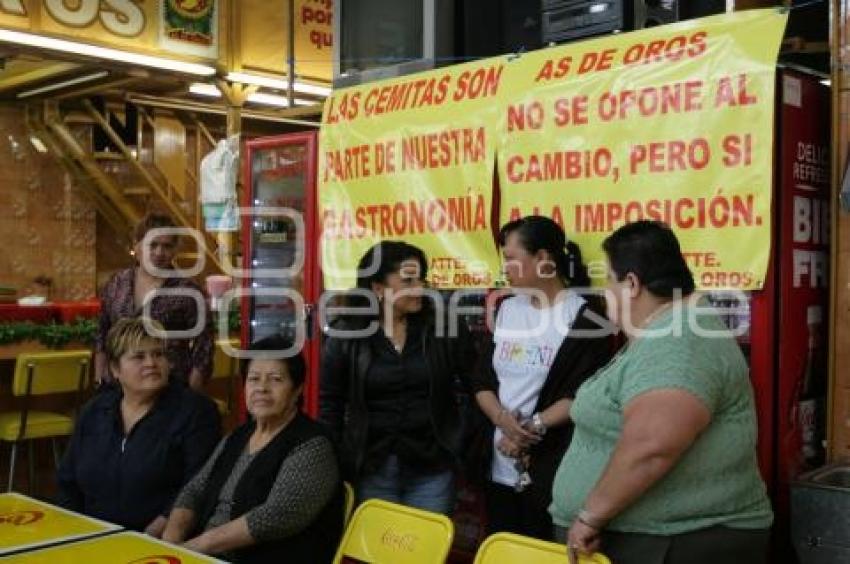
26	523
120	548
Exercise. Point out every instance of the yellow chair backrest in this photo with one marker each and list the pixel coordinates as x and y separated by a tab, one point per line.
386	533
507	548
349	501
52	372
224	365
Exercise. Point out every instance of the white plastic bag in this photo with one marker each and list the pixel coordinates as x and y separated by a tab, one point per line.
218	196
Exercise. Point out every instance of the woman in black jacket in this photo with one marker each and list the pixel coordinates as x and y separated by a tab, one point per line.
136	444
389	384
548	339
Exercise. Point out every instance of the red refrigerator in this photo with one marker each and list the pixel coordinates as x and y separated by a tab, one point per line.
281	282
784	325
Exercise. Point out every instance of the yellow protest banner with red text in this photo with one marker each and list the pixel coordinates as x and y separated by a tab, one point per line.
672	123
412	159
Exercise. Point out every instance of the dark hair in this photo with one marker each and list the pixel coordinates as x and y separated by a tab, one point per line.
384	258
295	366
536	233
151	221
650	251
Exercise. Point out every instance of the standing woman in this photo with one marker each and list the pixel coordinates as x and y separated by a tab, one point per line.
126	293
546	342
389	395
662	468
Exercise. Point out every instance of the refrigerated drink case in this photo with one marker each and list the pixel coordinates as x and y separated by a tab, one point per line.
279	240
782	328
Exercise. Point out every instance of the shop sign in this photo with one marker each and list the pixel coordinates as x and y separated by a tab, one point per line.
187	27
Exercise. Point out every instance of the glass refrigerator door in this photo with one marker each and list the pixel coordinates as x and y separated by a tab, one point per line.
277	232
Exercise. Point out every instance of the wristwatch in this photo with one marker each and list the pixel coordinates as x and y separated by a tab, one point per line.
537	423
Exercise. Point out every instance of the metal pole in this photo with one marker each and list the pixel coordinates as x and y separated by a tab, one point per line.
291	62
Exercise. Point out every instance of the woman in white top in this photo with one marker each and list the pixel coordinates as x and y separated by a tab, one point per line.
548	339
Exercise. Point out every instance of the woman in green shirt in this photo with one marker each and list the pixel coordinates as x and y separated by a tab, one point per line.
662	466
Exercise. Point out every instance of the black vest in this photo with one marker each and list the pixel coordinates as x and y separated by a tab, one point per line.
314	545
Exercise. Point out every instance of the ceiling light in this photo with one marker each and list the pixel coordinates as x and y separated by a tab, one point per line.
54	44
278	83
38	144
826	82
204	89
63	84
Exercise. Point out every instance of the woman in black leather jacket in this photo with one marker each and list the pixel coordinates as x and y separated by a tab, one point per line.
390	384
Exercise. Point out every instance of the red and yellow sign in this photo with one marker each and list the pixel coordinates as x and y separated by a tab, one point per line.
412	159
120	548
314	39
184	27
673	123
26	523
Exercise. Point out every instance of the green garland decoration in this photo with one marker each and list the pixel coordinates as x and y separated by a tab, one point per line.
56	335
52	335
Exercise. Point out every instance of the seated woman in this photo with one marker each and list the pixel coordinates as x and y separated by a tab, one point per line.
137	444
271	490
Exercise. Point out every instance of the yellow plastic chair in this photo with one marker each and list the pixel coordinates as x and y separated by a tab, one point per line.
225	367
386	533
349	502
508	548
38	374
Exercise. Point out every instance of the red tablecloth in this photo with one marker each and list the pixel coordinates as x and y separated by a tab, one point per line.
61	312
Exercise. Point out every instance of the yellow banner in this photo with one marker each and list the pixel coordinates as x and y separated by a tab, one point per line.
412	159
672	123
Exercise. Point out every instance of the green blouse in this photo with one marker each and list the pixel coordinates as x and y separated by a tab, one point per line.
716	481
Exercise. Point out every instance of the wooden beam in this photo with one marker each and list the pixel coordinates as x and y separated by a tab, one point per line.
179	104
101	88
35	75
67	140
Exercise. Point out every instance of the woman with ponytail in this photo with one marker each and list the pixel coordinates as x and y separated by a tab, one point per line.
548	339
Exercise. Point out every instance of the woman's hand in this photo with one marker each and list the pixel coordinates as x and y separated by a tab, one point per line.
156	527
583	538
508	448
198	544
511	428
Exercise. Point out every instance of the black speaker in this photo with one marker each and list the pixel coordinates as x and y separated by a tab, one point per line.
566	20
700	8
496	27
650	13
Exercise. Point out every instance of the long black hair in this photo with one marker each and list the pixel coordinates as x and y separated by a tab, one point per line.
650	251
378	262
536	233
